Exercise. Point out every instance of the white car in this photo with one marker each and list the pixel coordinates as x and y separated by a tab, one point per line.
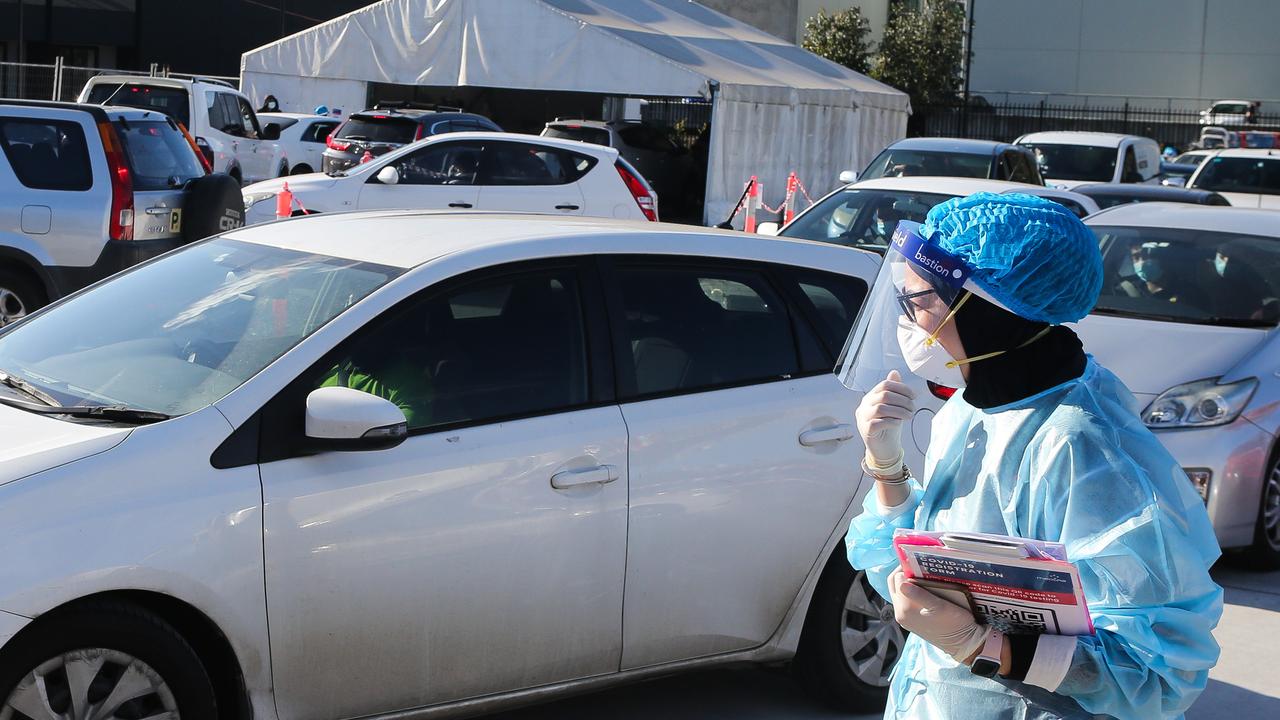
589	452
1246	177
1228	112
1198	347
1071	158
303	137
480	170
221	119
864	214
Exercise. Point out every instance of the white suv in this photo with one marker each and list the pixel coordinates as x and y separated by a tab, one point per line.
484	460
222	120
480	170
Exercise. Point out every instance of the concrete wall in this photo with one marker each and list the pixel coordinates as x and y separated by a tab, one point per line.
1210	49
776	17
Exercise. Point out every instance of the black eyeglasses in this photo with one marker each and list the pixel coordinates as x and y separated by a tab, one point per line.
904	301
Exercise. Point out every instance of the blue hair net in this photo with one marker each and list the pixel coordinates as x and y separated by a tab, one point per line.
1030	254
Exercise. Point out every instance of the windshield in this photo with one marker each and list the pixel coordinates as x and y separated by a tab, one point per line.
177	334
159	155
169	100
1190	276
1076	162
906	163
593	135
1190	158
1241	175
861	218
1231	108
378	128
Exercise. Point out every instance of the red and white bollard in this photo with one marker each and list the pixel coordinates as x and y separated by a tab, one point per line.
753	201
789	205
284	203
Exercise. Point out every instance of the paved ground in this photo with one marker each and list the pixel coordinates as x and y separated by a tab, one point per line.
1244	686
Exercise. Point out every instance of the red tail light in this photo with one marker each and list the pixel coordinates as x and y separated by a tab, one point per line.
942	392
120	223
639	190
337	144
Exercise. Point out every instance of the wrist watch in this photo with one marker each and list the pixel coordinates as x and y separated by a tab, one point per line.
987	664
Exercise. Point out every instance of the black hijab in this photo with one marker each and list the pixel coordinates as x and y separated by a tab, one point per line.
1018	373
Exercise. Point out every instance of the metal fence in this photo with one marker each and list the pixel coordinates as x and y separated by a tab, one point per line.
1006	121
31	81
687	118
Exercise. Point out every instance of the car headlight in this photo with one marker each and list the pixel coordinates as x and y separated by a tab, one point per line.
1203	403
251	199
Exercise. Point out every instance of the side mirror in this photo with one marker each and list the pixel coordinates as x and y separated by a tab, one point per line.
271	132
767	228
848	176
388	175
340	418
1174	182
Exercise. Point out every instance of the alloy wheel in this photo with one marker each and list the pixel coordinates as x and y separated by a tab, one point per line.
1271	508
871	638
11	306
91	684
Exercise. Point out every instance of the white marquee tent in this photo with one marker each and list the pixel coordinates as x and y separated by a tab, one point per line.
775	107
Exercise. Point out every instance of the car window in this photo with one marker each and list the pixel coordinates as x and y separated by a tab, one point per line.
201	321
834	301
1076	208
908	163
1190	158
444	126
1075	162
595	136
159	156
1171	274
451	163
861	218
1021	169
647	137
497	348
318	132
168	100
1240	174
508	163
229	114
688	328
47	154
379	129
248	118
1130	172
284	123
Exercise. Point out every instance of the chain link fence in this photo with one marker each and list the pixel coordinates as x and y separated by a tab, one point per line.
32	81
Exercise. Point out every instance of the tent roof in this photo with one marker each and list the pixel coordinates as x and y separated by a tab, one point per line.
641	47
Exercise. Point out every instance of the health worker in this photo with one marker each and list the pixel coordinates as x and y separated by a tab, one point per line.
1039	441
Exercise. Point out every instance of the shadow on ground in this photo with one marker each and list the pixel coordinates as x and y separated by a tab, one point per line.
1222	700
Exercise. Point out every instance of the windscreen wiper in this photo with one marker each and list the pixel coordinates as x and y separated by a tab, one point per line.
9	380
113	413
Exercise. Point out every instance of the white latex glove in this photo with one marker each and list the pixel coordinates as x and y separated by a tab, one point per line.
942	623
880	417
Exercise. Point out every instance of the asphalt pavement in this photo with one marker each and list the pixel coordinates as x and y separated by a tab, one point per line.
1244	686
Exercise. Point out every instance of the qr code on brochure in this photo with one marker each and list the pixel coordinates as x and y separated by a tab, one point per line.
1013	620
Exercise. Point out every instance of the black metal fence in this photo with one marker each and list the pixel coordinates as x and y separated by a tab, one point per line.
1007	121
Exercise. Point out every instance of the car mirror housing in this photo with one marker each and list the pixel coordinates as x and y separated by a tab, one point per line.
388	175
767	228
848	176
341	418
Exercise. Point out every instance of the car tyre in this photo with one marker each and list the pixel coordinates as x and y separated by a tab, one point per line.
1264	554
107	647
850	640
301	169
20	295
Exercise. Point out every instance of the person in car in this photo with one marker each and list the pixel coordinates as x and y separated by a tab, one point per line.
1039	442
1236	290
1157	274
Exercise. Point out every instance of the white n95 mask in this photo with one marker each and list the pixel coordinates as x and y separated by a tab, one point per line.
927	359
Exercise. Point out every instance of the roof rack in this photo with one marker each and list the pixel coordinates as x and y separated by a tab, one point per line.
213	81
412	105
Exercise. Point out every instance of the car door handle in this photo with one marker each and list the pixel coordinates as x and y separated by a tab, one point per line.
835	433
459	205
567	207
598	475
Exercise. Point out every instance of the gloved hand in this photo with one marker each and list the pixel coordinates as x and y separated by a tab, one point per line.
880	417
941	622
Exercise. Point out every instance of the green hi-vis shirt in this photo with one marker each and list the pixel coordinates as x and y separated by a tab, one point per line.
403	384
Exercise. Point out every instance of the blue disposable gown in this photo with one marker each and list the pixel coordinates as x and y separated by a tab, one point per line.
1073	464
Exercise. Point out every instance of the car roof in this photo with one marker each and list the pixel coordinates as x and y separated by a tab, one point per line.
953	145
942	185
113	112
1212	218
165	81
1249	152
296	116
578	146
409	238
601	124
414	113
1140	190
1077	137
1245	102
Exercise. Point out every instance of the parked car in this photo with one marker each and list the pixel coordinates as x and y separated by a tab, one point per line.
89	191
953	157
1067	159
1112	194
649	148
1192	157
482	170
1245	177
1230	112
576	407
389	126
864	214
221	119
304	138
1198	347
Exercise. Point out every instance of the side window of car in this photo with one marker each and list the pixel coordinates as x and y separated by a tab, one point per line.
248	118
318	132
47	154
217	113
832	302
688	328
231	123
497	348
510	163
452	163
1130	172
1020	167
